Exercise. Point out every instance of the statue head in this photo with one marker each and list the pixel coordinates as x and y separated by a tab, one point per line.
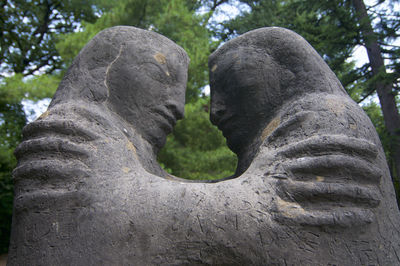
252	75
137	74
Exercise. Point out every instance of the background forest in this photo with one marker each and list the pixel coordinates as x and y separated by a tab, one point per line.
40	38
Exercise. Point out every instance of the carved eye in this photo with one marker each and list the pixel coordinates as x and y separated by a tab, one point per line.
154	71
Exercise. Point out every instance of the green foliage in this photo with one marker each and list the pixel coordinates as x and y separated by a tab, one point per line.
375	114
17	87
184	27
196	149
12	119
122	12
333	29
29	28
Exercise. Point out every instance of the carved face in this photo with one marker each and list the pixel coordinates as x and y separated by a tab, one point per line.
147	88
243	84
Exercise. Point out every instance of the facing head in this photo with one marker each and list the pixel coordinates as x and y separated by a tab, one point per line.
138	74
239	98
252	75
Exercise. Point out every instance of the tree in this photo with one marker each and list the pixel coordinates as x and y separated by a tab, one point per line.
384	85
29	29
335	28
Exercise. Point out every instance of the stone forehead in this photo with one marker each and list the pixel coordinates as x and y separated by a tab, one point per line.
264	38
121	35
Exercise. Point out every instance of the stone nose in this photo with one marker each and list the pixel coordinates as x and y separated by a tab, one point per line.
176	108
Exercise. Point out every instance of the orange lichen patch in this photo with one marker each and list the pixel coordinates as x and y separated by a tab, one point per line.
44	115
289	209
214	68
130	147
126	170
160	58
335	106
270	128
353	126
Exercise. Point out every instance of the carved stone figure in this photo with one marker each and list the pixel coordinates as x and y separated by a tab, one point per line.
287	117
312	185
102	131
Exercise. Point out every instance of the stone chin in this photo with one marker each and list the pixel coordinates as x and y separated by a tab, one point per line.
157	134
159	123
238	140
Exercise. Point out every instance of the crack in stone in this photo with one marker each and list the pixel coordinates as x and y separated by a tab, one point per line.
108	69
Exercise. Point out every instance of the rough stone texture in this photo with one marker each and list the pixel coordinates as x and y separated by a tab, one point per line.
292	125
312	186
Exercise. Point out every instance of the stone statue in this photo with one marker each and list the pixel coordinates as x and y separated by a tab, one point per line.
312	185
287	117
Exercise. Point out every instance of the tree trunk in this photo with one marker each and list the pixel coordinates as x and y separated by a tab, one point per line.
386	95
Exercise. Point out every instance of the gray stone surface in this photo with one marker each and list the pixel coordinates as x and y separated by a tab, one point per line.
312	185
